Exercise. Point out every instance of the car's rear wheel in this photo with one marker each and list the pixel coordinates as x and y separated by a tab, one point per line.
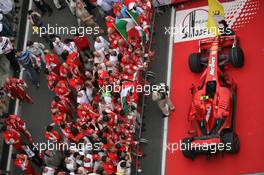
231	141
187	149
195	62
236	57
234	101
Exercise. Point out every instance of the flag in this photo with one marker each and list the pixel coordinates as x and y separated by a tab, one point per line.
123	26
216	13
138	32
134	11
133	14
123	96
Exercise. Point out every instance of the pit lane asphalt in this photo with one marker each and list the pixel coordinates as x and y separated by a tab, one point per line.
37	116
151	164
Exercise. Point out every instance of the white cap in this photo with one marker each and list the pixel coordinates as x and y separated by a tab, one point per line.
131	5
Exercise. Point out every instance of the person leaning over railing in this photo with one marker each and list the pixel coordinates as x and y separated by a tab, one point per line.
5	27
6	48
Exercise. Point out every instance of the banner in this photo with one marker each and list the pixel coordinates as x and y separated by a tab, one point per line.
158	3
191	24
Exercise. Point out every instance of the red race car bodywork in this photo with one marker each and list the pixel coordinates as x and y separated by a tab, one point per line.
212	110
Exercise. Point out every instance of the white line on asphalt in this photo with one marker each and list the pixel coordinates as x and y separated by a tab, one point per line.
168	82
10	151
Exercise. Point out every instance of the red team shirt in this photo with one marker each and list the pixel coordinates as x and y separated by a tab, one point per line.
53	136
81	42
53	79
52	63
62	89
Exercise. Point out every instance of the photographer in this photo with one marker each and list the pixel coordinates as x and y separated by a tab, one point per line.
163	100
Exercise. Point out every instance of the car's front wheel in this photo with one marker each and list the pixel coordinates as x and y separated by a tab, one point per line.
236	57
231	141
186	148
195	62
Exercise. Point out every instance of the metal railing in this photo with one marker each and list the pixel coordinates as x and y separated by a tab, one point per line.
143	97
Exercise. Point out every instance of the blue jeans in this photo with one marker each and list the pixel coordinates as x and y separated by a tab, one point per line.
31	73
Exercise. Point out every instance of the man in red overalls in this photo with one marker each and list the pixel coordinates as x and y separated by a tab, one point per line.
83	44
62	89
19	125
62	104
52	62
75	64
75	82
59	118
53	79
22	162
52	135
15	89
12	137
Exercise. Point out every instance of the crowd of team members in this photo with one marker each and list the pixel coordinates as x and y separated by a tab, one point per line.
97	126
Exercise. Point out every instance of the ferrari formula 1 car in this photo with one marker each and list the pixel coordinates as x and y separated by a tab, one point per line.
212	110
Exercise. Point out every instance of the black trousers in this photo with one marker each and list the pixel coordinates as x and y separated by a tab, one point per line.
89	6
43	7
12	59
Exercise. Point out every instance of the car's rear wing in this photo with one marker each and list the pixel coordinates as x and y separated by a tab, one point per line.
223	41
